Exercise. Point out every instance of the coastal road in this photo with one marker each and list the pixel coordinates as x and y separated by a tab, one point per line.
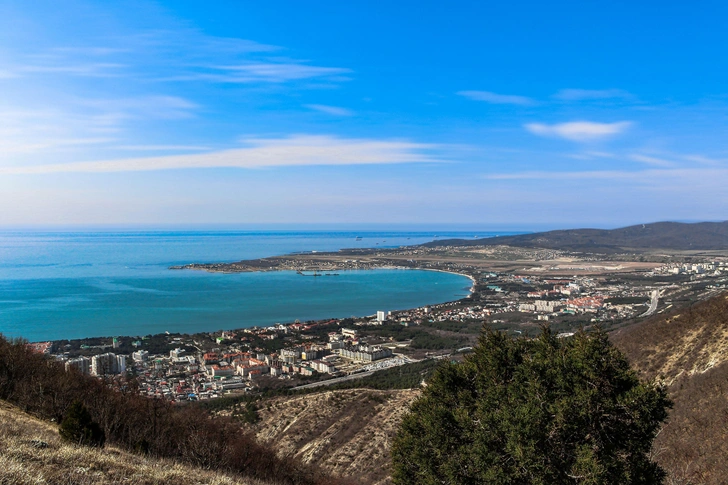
653	304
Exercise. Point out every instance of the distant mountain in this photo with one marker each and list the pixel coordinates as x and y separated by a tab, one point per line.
659	235
687	349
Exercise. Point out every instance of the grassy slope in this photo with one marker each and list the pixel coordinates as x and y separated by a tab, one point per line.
688	350
60	463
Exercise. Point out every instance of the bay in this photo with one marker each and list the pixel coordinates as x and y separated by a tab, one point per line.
62	285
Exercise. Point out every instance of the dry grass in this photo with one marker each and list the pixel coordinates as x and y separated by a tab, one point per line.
688	350
31	452
345	432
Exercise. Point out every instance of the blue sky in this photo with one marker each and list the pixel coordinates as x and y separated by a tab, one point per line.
558	114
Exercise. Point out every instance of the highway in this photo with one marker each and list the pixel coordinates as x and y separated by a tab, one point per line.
336	380
653	304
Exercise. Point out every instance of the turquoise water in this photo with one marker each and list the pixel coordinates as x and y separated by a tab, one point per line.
82	284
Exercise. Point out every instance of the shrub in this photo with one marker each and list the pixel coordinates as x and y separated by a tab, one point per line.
542	411
78	427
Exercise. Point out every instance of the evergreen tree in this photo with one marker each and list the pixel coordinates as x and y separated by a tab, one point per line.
543	411
78	427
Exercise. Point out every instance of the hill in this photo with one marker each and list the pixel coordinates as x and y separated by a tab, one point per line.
660	235
344	432
688	350
32	452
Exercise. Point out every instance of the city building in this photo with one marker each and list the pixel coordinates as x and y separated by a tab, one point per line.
82	364
140	356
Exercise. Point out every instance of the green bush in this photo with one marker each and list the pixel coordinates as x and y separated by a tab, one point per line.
249	413
78	427
542	411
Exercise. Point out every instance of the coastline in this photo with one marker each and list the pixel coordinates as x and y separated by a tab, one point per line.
468	276
301	262
342	260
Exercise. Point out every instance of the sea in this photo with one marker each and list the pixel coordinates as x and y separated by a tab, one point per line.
96	283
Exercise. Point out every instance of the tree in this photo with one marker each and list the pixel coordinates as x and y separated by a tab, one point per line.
541	411
78	427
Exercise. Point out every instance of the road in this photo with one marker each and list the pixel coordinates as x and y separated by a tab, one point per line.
653	304
335	380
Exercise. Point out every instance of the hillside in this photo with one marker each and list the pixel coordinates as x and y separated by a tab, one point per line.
688	350
31	452
660	235
134	423
345	432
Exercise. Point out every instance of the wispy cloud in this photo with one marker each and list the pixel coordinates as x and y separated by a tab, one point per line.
157	107
93	69
578	175
579	131
650	160
267	72
495	98
646	176
330	110
589	94
162	148
591	155
25	131
299	150
706	160
83	121
183	54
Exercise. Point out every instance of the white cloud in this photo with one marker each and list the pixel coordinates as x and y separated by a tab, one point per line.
580	131
586	94
330	110
299	150
495	98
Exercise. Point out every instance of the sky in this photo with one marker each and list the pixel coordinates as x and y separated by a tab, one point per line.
493	114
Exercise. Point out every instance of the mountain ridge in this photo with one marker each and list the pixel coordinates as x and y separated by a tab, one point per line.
678	236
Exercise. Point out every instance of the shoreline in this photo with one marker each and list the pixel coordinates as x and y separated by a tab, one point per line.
470	277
